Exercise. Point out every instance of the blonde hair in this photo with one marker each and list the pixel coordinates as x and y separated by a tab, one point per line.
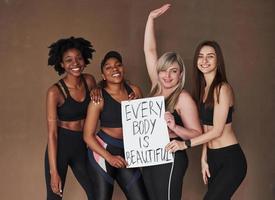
163	63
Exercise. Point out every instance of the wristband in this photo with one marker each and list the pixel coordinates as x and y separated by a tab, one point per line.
187	143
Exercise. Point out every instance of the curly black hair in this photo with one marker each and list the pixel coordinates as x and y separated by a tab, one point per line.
58	48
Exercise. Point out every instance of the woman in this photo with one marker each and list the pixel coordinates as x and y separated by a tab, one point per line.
106	153
167	76
223	162
67	103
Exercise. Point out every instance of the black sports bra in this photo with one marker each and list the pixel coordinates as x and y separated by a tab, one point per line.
72	110
206	115
177	118
110	116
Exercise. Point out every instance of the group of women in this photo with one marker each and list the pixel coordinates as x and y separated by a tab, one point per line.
204	118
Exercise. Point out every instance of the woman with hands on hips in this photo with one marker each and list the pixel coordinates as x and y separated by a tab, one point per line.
106	153
223	161
167	75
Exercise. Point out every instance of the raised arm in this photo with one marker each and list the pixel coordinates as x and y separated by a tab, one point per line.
150	45
51	105
90	126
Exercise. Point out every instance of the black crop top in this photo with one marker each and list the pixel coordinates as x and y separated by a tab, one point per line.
206	115
110	116
72	110
177	118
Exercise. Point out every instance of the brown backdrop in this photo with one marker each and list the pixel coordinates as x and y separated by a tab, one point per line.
245	30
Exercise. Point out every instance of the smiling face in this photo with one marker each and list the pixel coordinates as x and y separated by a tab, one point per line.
113	71
169	76
207	60
73	62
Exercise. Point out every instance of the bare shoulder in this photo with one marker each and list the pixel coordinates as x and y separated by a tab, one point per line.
53	90
225	93
136	90
185	96
90	80
226	90
54	94
185	100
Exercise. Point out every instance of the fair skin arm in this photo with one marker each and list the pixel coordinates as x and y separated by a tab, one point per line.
150	45
219	120
90	126
204	165
51	103
189	116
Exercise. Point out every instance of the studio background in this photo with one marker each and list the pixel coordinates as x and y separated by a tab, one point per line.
245	30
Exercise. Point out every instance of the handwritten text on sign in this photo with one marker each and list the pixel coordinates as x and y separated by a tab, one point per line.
145	132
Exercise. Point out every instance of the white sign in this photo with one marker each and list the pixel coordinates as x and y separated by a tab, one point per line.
145	133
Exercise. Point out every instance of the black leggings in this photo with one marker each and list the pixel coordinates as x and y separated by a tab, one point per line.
103	174
227	167
71	151
157	178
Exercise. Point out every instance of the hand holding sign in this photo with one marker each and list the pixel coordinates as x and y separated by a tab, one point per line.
145	132
170	120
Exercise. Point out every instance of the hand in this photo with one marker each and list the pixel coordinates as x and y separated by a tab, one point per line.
96	95
156	13
117	161
132	96
56	184
205	171
170	120
175	145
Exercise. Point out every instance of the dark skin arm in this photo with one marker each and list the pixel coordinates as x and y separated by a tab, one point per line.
90	126
53	99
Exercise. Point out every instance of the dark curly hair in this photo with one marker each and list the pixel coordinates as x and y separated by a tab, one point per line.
58	48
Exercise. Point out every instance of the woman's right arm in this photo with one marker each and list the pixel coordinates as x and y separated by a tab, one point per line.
90	126
150	45
204	165
51	103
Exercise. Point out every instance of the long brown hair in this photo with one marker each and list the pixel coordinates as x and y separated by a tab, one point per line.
198	78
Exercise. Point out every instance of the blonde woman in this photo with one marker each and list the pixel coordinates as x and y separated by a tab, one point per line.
167	75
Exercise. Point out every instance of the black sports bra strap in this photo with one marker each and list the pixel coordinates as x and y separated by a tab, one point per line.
65	87
61	90
85	83
128	88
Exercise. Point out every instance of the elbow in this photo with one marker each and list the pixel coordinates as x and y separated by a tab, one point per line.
149	50
52	136
217	133
85	138
198	131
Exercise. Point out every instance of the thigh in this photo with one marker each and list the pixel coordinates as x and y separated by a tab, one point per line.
79	166
178	171
157	181
131	182
228	176
103	190
62	167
